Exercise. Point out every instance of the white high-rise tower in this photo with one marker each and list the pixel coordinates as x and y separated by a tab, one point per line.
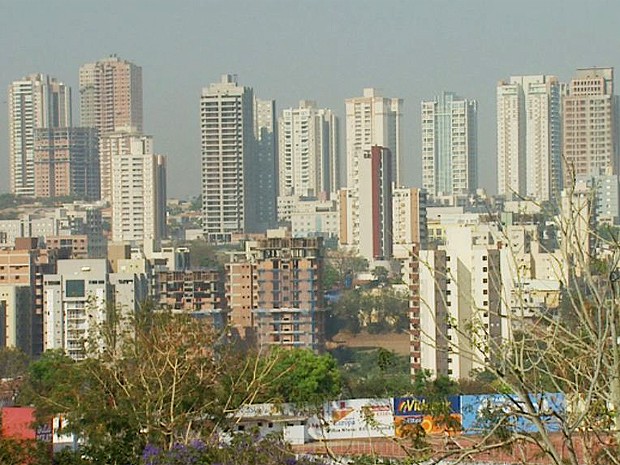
449	145
373	120
138	189
308	151
36	101
529	145
228	159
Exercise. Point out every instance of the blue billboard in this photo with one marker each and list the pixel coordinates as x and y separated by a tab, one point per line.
479	413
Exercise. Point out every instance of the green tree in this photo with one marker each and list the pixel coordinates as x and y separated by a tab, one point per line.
373	373
381	274
302	377
13	363
159	378
24	451
345	263
196	203
379	310
203	254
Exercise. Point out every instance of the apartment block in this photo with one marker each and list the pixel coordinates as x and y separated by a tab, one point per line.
24	266
66	163
449	145
308	151
266	175
16	317
590	126
606	196
191	291
319	220
278	280
228	146
36	101
409	218
111	95
373	120
429	318
529	138
374	219
78	299
138	206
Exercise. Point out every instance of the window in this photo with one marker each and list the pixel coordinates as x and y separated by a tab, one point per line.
74	288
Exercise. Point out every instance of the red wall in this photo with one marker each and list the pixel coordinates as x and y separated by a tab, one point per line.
17	422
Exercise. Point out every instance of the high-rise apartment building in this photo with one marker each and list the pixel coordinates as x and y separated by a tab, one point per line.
191	291
590	133
111	102
228	159
308	151
449	145
274	291
456	303
138	206
36	101
369	234
529	147
373	120
409	217
266	164
66	163
111	95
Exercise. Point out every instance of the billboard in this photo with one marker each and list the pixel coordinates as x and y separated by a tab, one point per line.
480	412
414	416
352	419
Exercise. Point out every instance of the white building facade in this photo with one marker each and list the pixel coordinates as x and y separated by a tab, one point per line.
529	137
137	207
36	101
228	146
308	151
449	145
373	120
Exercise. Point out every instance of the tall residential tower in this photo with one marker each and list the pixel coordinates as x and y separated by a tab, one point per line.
138	190
228	157
111	102
308	151
529	137
111	95
373	120
36	101
266	163
590	143
449	145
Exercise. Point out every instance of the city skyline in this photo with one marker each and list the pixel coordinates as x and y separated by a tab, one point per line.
409	61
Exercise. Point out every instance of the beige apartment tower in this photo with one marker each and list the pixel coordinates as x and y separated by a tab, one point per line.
308	151
372	120
66	163
137	181
590	142
111	95
36	101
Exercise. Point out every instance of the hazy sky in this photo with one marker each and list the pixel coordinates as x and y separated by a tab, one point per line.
304	49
